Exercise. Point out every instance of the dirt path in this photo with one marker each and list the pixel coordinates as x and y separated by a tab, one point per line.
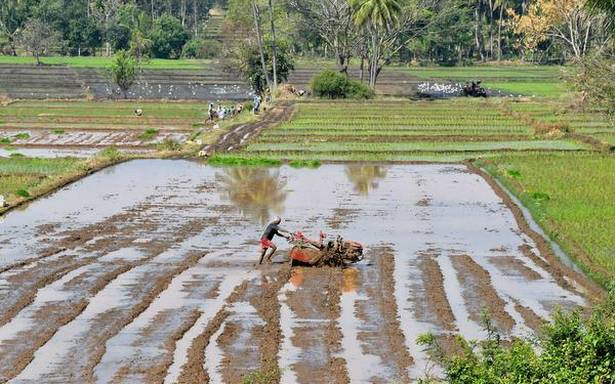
238	136
153	280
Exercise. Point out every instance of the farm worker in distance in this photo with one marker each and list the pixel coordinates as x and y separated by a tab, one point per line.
271	230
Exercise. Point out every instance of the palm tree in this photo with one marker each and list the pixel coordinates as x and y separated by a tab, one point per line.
375	16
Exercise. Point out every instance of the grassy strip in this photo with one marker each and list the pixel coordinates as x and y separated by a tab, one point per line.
25	179
230	160
104	62
571	197
304	163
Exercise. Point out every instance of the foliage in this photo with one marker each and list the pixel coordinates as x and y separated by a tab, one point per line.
572	349
123	71
595	77
567	21
118	36
246	58
335	85
37	37
168	37
202	49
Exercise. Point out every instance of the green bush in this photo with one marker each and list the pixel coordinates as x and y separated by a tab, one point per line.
201	49
335	85
168	36
358	90
572	349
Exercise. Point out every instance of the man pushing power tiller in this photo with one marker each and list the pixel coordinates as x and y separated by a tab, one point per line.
271	230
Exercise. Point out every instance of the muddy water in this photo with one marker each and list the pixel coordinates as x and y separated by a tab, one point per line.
145	272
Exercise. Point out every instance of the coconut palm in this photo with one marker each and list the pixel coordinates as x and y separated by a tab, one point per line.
376	17
377	13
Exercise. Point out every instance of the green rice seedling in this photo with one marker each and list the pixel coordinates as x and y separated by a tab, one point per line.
227	160
5	141
22	193
22	136
169	145
304	163
57	131
149	134
111	153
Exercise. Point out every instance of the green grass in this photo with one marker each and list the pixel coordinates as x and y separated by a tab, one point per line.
21	174
572	197
304	163
104	62
148	135
537	88
232	160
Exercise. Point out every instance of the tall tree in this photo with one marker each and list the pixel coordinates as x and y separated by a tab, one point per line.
332	21
566	21
273	47
123	71
38	37
259	41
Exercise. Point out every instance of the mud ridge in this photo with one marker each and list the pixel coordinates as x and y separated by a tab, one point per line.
436	299
478	289
392	325
28	297
193	371
337	365
554	266
136	310
270	334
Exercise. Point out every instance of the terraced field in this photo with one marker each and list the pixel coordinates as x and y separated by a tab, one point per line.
134	279
448	130
82	128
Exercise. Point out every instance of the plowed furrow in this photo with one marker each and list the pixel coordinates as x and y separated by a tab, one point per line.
479	294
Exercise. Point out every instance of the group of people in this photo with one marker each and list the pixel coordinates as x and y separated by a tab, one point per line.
222	112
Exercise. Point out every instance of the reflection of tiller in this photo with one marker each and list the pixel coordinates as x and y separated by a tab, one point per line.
333	253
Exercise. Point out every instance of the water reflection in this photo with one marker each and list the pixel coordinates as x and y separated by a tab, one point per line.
365	177
256	192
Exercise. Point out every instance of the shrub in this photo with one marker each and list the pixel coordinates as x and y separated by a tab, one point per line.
169	145
201	49
572	349
335	85
358	90
329	84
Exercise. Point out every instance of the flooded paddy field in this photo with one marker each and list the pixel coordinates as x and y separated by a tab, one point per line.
121	278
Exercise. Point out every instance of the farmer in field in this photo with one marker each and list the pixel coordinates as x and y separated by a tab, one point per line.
271	230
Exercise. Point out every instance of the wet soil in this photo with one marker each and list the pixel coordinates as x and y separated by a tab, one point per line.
154	280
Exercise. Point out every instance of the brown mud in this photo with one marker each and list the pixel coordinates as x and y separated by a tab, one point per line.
237	136
479	293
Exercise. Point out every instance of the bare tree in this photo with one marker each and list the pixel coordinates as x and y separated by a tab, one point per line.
37	37
332	21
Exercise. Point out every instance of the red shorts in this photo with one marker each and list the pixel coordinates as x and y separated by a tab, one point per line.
266	243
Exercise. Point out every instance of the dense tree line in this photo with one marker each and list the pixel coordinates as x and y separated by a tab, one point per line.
90	27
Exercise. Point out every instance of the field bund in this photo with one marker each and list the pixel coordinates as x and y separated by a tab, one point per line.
153	279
